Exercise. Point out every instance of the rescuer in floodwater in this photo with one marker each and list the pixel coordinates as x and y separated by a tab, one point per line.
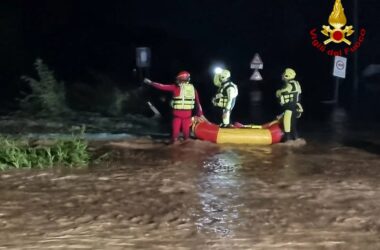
226	96
185	99
289	98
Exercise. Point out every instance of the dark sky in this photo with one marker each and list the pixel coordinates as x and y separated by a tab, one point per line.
75	37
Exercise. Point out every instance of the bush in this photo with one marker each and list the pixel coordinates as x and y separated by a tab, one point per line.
48	96
107	98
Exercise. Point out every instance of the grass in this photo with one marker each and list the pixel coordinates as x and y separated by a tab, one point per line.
15	153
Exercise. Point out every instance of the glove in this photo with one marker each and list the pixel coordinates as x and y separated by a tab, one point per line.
218	96
299	110
147	81
216	101
213	101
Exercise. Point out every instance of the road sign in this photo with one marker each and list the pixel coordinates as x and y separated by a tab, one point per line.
142	57
340	66
256	62
256	76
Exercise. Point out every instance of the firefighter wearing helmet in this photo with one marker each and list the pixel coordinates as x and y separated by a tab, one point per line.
226	95
289	98
184	100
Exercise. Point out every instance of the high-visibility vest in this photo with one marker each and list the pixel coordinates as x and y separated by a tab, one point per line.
186	98
292	96
221	96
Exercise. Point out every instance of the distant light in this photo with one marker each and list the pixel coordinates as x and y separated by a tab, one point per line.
218	70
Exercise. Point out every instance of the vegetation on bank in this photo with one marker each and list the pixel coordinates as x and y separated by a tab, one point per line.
16	153
48	95
53	100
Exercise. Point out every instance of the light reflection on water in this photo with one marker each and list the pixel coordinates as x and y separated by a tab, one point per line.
233	177
218	190
224	162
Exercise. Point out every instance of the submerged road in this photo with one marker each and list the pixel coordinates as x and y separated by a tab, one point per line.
199	195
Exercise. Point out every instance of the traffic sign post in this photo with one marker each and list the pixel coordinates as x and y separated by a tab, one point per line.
340	66
339	71
256	76
143	56
256	64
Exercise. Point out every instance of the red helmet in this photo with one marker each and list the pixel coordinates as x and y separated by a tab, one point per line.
183	76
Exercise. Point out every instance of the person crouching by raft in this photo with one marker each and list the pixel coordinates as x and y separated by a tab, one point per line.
289	97
185	99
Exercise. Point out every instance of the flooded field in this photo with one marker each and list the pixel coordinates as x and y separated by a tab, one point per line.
199	195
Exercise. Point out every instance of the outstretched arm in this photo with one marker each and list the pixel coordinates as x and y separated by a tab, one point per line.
160	86
164	87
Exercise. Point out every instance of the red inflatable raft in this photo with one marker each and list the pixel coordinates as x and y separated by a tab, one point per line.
266	134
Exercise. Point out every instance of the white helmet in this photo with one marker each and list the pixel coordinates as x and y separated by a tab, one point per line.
225	75
221	77
289	74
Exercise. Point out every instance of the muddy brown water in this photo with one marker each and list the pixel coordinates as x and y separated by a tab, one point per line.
199	195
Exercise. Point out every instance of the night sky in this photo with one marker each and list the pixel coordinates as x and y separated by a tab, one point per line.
78	37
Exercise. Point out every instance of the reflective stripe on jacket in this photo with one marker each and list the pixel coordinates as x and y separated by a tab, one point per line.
222	96
290	93
186	98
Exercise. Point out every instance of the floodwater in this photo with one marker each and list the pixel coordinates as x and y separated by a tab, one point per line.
198	195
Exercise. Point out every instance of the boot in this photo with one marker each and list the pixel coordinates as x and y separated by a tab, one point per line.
295	135
222	125
287	137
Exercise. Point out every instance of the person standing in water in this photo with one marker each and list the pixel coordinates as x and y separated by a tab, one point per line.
289	97
185	99
226	95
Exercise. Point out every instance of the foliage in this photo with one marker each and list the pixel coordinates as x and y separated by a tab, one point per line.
100	93
111	99
48	95
15	153
116	107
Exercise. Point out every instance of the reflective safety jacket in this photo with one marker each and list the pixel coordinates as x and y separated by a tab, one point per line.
186	98
290	93
222	98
